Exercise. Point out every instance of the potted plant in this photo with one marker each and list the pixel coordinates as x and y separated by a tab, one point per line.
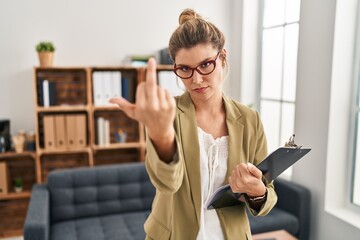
18	184
46	53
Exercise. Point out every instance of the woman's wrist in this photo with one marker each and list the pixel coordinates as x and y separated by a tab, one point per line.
164	145
256	203
257	198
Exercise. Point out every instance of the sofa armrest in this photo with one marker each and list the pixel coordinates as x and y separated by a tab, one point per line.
296	200
37	222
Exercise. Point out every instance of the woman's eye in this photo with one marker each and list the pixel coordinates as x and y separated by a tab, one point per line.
205	64
184	69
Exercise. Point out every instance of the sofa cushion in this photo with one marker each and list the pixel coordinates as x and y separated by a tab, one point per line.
126	226
277	219
91	192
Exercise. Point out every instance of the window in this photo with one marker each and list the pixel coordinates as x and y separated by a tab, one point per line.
343	156
278	69
355	175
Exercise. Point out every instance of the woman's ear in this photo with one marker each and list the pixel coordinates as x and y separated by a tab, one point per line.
223	57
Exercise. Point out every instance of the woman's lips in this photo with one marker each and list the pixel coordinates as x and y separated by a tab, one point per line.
200	90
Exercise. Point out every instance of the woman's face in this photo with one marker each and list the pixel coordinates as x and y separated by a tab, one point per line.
201	87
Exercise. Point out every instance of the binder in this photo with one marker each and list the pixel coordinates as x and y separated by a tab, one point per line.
45	89
272	166
60	131
107	88
4	179
39	86
70	121
80	121
49	132
107	132
125	88
100	122
97	88
116	84
52	93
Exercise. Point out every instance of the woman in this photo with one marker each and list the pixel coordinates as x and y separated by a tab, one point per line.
199	142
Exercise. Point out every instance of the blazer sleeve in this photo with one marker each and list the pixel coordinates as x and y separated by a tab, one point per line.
260	154
166	177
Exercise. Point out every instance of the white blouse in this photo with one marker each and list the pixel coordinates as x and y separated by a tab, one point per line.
213	168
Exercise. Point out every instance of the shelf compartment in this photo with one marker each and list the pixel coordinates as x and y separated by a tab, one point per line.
23	167
12	217
118	120
65	148
103	85
62	161
116	156
66	85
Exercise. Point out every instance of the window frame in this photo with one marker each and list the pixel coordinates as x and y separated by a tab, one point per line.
340	147
282	101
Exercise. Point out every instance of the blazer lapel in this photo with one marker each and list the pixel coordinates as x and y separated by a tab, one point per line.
236	131
190	142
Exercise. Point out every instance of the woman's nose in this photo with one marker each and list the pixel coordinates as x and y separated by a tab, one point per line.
197	78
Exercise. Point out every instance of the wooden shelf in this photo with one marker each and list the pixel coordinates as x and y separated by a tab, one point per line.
106	108
114	68
15	155
14	195
64	151
118	146
67	108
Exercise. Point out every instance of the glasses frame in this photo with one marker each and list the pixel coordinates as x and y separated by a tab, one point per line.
196	68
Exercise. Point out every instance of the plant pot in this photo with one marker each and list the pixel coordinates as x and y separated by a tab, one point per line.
46	59
18	189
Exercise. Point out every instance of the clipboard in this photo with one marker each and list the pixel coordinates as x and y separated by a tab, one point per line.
280	160
272	166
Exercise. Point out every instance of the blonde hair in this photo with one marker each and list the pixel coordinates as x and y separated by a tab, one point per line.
194	30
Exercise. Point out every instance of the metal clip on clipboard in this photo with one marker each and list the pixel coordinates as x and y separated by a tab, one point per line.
291	143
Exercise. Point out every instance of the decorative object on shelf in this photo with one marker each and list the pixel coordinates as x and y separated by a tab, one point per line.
46	53
120	136
19	141
164	57
140	60
30	141
18	184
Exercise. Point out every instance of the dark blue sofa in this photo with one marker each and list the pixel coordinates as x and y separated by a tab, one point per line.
113	202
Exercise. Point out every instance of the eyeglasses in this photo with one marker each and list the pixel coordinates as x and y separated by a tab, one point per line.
204	68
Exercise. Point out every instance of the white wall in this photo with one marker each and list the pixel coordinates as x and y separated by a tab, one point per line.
98	32
85	32
315	61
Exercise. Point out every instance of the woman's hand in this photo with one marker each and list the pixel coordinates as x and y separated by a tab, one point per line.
246	178
155	108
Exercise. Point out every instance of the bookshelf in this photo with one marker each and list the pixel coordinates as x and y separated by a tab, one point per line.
72	96
13	205
84	91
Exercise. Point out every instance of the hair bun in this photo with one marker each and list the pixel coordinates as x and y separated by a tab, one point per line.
187	15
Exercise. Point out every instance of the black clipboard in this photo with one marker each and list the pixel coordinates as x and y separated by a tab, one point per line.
272	166
280	160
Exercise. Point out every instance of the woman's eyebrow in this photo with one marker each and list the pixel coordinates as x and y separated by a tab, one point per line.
185	65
